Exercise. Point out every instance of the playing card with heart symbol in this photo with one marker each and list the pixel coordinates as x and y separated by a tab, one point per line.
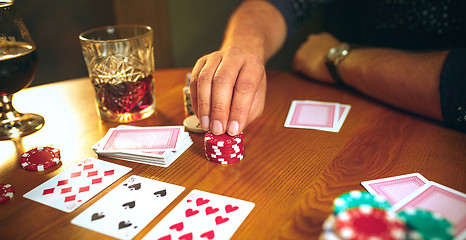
202	215
127	209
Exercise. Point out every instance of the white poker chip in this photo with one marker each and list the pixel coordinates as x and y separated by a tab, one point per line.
192	124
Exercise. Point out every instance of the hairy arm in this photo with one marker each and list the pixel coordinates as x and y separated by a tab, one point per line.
407	80
228	86
404	79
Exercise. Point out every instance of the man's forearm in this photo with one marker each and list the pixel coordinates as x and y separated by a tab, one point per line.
256	27
407	80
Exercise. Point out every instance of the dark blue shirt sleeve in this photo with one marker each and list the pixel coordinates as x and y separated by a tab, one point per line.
453	89
295	12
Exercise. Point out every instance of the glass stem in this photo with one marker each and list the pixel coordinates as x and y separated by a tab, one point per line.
8	111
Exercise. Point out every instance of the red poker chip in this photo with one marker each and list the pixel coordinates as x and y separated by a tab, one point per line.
224	150
366	222
225	161
226	156
6	192
222	139
40	158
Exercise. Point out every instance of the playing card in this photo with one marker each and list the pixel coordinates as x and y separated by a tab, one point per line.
127	209
165	162
439	199
156	157
71	188
317	115
343	113
202	215
142	138
395	189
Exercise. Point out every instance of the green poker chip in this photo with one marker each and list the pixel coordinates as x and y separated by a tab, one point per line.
426	225
359	198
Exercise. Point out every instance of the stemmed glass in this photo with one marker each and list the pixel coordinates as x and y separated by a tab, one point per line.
18	66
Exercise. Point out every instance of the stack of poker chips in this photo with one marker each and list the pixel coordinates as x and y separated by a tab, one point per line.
361	215
223	149
6	192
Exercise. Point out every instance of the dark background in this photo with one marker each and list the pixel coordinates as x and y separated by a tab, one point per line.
185	30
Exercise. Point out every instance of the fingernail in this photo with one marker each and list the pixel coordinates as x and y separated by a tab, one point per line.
233	128
205	122
217	127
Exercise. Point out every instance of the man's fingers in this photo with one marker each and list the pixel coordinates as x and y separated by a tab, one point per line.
204	89
222	91
250	77
193	83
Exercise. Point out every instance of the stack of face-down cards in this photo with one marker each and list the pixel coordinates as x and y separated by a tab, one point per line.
159	146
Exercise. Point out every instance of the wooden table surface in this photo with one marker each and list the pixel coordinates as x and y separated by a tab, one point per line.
292	175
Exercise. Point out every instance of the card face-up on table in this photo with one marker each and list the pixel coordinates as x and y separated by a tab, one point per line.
202	215
128	208
76	185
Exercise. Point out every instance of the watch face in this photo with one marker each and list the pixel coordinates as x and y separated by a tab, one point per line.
339	51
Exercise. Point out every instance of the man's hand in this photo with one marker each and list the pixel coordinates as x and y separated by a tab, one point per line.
311	56
228	90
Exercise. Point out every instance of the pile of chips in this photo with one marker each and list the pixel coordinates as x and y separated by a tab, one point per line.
223	149
361	215
40	158
6	192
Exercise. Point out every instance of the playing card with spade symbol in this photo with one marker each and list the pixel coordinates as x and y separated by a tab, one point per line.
129	207
202	215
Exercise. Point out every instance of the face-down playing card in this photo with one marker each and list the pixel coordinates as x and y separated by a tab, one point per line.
447	202
325	116
395	189
71	188
128	208
202	215
141	138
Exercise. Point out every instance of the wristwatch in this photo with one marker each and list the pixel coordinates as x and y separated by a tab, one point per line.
334	57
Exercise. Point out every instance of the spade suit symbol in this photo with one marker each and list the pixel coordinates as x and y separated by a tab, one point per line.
136	186
129	205
124	224
97	216
161	193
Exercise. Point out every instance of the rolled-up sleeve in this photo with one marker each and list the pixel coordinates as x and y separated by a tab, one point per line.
295	12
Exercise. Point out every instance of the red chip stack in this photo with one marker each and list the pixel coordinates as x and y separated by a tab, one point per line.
366	222
223	149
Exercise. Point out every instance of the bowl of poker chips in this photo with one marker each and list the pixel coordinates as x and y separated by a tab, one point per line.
360	215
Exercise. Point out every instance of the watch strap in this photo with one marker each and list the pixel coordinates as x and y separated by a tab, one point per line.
334	57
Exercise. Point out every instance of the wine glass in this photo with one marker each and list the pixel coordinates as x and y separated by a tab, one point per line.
18	66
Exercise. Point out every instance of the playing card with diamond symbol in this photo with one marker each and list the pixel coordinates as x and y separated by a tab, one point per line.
76	185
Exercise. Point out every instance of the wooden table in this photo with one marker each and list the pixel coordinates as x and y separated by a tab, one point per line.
292	175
